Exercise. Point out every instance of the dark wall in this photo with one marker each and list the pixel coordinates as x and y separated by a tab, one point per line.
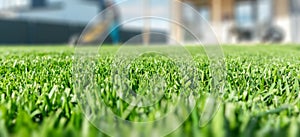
14	32
31	32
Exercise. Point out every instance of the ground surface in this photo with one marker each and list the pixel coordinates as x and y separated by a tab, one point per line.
261	92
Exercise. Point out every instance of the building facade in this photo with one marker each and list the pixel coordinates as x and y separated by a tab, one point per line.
247	20
54	21
232	20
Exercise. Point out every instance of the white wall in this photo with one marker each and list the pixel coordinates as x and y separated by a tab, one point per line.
6	4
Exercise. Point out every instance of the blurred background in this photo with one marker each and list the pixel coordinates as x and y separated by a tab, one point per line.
233	21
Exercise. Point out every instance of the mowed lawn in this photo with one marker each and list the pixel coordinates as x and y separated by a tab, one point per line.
261	92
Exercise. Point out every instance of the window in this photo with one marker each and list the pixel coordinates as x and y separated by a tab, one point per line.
244	14
265	11
38	3
205	13
295	7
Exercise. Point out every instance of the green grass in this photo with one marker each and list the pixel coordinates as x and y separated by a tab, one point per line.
37	96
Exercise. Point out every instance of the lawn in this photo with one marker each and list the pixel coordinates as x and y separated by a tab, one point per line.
261	91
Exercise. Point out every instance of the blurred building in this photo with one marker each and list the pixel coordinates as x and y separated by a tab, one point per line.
234	21
247	20
51	21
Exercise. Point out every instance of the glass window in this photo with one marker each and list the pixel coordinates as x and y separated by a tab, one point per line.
244	14
205	13
38	3
295	7
265	10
